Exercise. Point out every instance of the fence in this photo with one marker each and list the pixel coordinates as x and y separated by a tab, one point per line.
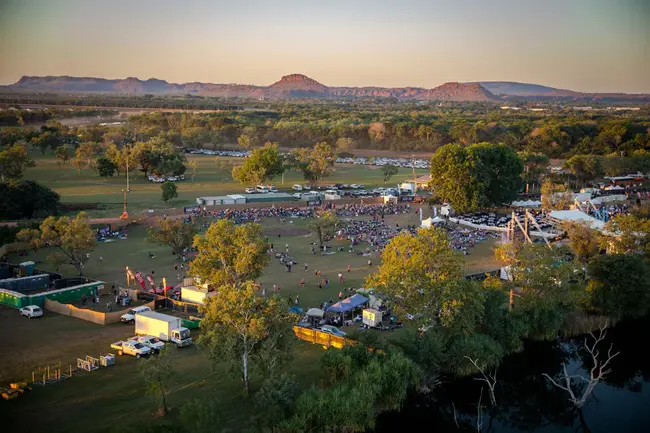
97	317
323	338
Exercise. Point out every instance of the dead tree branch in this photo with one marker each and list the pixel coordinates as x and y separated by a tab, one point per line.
596	374
489	378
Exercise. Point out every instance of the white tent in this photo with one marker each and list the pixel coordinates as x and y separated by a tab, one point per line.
315	312
577	216
430	221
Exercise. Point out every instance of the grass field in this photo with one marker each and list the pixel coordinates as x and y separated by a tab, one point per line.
115	396
88	187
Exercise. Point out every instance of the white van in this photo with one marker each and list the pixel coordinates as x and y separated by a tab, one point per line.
129	317
262	189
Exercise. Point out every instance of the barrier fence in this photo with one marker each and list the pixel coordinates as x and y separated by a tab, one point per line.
97	317
323	338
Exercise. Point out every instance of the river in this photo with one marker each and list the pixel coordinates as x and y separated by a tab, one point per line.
527	402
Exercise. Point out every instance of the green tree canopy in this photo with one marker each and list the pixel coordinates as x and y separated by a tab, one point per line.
70	238
105	167
263	164
158	372
13	162
229	253
324	225
237	321
476	176
27	199
619	285
389	171
169	191
175	233
419	274
315	164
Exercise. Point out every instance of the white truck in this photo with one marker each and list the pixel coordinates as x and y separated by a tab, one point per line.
133	348
164	327
153	343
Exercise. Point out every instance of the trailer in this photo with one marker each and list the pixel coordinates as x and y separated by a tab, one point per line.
164	327
372	317
193	294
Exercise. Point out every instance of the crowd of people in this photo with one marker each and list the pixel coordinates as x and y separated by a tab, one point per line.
242	216
376	211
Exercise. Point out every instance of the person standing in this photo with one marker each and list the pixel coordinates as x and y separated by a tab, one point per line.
348	268
340	295
306	266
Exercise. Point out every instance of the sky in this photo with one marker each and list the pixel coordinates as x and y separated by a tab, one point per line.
582	45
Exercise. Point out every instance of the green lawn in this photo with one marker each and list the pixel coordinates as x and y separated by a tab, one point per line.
88	187
115	396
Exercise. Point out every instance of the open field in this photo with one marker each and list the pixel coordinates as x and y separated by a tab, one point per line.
87	187
115	396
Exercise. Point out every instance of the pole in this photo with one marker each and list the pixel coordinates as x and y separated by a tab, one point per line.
127	168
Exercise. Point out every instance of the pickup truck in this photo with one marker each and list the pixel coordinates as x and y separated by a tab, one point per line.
153	343
133	348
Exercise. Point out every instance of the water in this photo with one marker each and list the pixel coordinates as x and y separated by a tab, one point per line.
527	402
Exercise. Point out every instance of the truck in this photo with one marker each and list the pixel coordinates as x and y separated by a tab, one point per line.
153	343
130	347
162	326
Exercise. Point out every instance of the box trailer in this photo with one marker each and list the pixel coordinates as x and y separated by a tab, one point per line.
372	317
163	326
193	294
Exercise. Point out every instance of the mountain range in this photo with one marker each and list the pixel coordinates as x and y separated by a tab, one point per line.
301	86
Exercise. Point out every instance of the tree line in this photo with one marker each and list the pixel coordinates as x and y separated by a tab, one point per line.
397	127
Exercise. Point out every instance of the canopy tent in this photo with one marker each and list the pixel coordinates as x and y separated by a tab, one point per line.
577	216
295	310
315	312
609	198
390	199
430	221
526	203
348	304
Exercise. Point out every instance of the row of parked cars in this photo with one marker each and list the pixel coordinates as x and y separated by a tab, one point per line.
232	153
161	179
380	161
398	162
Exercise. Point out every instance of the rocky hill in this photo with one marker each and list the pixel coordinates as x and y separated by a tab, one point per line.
301	86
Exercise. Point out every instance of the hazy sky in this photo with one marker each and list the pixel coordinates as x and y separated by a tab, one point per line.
587	45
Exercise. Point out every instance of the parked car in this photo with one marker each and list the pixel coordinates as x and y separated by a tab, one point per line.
153	343
272	188
31	311
306	187
297	187
250	190
129	317
332	330
132	348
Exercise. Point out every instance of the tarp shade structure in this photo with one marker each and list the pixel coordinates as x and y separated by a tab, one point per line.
348	304
315	312
577	216
429	221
